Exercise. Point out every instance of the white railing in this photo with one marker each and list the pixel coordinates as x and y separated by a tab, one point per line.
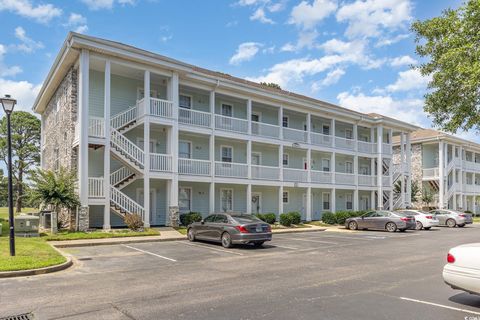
230	169
231	124
449	193
294	135
124	118
95	188
366	147
321	139
265	172
161	108
386	148
344	178
471	187
344	143
295	175
194	167
160	162
386	181
431	173
321	176
471	166
265	130
127	147
120	175
194	117
366	180
126	204
96	127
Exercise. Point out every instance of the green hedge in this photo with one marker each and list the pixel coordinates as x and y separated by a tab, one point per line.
191	217
269	218
287	219
340	217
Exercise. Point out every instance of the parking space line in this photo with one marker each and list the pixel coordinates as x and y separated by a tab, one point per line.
284	247
209	248
309	240
441	306
150	253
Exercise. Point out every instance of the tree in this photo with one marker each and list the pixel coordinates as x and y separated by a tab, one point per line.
414	190
427	197
271	85
25	149
451	44
56	189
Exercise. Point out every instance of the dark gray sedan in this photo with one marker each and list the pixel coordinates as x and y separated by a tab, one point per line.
230	228
381	220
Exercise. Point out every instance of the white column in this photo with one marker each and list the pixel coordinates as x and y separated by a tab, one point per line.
249	198
83	94
212	108
332	166
106	152
454	198
355	200
441	173
211	196
390	200
372	200
355	136
249	159
308	210
408	156
280	161
280	200
333	133
402	164
249	115
174	144
280	121
333	200
474	204
379	167
355	170
309	127
309	165
146	149
211	149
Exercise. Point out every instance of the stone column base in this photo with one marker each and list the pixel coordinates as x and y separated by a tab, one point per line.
173	217
83	218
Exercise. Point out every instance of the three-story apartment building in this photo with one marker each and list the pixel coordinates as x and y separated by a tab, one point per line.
155	136
445	166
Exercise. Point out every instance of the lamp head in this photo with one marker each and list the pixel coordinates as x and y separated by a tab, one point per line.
8	103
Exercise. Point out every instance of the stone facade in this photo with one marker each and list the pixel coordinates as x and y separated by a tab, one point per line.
173	216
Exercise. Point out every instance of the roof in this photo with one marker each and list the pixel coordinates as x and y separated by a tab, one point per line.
74	42
430	135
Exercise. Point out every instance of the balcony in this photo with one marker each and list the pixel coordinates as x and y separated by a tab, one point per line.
95	188
194	167
321	176
344	178
367	181
160	162
194	117
265	172
158	108
366	147
294	135
295	175
96	128
386	181
230	169
431	173
231	124
265	130
471	166
343	143
321	139
386	148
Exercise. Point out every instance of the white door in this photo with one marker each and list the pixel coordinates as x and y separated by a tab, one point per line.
256	203
255	159
152	144
153	204
364	205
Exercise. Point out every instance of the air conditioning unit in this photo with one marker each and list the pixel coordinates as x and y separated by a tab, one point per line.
26	226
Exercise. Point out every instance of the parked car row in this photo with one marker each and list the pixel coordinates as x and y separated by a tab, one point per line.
408	220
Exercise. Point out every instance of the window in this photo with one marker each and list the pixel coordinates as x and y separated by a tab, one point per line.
348	167
185	102
326	165
326	129
226	199
456	152
221	218
210	218
226	154
227	110
348	134
185	149
304	126
285	159
255	117
285	196
364	170
326	201
256	158
349	201
285	122
185	199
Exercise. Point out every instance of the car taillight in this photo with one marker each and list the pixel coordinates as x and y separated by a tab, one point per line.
269	228
450	258
242	229
405	219
462	215
429	217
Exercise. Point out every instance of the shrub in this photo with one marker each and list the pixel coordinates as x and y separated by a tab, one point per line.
328	218
133	221
270	218
341	216
286	219
468	211
189	218
295	217
260	216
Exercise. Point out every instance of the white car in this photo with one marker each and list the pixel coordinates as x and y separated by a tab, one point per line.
423	220
463	268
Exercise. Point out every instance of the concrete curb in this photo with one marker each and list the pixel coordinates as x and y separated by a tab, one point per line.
297	230
59	244
34	272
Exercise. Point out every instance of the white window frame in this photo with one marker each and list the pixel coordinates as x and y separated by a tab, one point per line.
191	101
288	197
221	153
329	201
226	104
258	114
283	159
367	167
347	196
351	134
329	167
283	120
141	142
190	148
190	200
351	166
323	129
221	201
259	200
259	157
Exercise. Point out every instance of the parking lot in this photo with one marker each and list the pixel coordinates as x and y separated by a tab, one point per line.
317	275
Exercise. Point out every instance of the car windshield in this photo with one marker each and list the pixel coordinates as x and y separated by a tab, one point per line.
245	218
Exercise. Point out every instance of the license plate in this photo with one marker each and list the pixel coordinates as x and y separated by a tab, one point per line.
259	229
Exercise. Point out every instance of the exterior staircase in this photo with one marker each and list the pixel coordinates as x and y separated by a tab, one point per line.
122	177
122	204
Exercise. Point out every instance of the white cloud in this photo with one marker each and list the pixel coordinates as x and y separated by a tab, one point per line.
408	80
331	78
368	18
6	71
77	23
42	13
308	15
402	61
354	51
245	52
259	15
389	41
23	91
106	4
305	39
28	45
250	2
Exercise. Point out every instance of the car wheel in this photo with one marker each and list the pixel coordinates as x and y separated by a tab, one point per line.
226	240
461	225
191	234
352	225
391	227
418	226
427	228
451	223
258	243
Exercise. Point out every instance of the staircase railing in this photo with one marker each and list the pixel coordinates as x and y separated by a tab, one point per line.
450	192
124	118
127	147
120	175
125	204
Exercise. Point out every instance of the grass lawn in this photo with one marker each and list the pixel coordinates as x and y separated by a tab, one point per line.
4	212
68	235
476	219
293	226
182	230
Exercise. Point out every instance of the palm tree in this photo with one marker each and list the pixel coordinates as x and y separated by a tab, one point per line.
56	189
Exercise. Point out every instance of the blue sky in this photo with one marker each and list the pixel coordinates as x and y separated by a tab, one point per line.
355	53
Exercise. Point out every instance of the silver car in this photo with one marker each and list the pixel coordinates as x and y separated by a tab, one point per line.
452	218
230	228
381	220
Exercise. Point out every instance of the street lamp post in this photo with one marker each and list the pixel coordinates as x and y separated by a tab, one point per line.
8	103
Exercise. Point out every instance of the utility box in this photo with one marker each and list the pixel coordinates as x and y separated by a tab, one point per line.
26	226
